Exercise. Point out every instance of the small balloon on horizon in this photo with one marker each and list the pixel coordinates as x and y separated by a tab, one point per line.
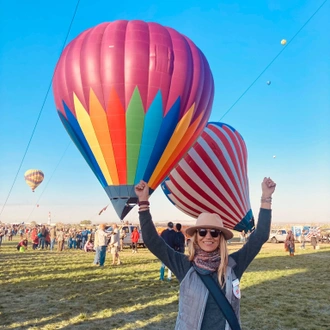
268	82
274	156
283	42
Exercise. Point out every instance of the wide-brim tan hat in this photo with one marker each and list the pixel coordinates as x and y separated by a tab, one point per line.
210	221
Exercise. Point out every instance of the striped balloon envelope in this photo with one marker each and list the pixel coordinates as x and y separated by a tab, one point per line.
33	178
212	177
133	96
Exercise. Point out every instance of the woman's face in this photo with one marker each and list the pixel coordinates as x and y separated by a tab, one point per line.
208	243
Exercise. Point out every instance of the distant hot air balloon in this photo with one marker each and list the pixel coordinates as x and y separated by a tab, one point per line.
133	96
33	178
283	42
269	82
212	177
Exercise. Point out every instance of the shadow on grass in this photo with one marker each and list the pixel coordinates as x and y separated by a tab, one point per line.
284	301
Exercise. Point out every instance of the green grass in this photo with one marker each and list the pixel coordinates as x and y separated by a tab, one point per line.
50	290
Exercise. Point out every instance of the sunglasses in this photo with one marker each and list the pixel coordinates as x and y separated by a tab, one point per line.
214	232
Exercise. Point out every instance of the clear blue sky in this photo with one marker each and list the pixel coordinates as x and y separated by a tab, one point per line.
289	118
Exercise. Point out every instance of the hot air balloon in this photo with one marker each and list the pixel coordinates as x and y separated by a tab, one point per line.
134	97
33	178
283	42
269	82
212	177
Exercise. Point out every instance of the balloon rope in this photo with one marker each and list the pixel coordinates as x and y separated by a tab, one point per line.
40	112
273	60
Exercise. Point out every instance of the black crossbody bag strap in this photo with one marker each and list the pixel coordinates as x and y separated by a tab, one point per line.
221	300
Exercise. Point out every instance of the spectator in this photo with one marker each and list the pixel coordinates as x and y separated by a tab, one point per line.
303	240
169	236
89	246
22	245
114	245
314	240
179	239
135	239
102	244
289	243
60	239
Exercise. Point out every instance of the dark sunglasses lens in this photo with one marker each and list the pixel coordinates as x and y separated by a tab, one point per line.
202	232
214	233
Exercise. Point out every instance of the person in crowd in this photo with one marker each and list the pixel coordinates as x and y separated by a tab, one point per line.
2	234
169	236
135	239
303	240
34	238
179	239
114	244
289	243
42	237
122	237
314	240
84	237
96	261
60	236
22	245
103	238
89	247
10	234
52	234
79	240
242	237
208	254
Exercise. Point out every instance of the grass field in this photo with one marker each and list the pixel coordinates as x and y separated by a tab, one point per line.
50	290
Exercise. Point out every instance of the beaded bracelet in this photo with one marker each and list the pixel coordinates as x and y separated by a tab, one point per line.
266	200
145	208
144	203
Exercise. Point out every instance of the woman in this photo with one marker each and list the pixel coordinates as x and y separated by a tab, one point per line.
289	243
135	239
314	240
208	254
22	245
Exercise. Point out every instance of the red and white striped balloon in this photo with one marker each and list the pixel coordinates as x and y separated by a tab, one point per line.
212	177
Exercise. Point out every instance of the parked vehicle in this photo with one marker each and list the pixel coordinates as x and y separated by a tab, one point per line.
277	235
128	229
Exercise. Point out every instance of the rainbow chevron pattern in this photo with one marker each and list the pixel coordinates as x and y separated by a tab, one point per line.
133	96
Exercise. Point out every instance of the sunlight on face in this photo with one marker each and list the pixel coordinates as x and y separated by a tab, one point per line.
208	243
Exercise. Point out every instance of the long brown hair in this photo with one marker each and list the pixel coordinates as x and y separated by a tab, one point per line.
223	251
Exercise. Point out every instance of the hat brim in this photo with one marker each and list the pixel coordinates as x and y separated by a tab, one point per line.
226	232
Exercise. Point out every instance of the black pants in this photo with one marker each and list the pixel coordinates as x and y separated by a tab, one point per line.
134	246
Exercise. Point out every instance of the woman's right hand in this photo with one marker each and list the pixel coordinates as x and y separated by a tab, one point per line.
142	191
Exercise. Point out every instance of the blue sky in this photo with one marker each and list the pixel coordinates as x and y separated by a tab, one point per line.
289	118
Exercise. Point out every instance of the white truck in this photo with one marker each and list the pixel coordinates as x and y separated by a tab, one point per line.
277	235
128	229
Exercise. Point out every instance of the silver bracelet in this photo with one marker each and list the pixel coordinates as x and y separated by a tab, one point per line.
266	200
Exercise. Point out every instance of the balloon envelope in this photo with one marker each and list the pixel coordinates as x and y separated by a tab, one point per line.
33	178
283	42
212	177
133	96
269	82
